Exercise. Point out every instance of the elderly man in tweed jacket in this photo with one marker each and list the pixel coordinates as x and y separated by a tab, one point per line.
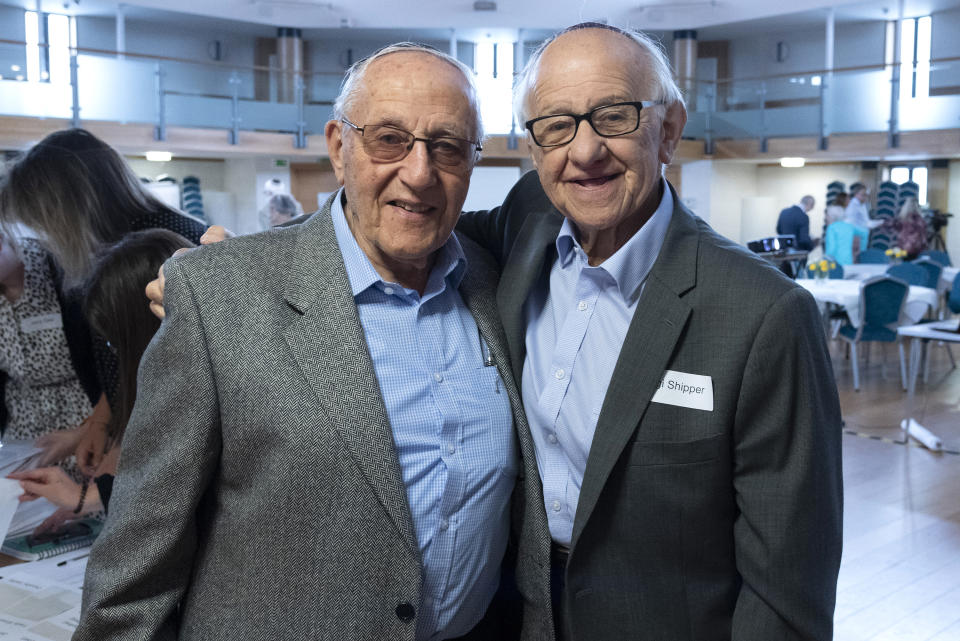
323	444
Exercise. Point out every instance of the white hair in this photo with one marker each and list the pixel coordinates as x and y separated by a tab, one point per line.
350	86
666	89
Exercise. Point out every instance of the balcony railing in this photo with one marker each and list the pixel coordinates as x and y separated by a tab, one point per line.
168	91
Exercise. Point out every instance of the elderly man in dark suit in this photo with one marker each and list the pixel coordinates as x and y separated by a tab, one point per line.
794	221
678	389
322	447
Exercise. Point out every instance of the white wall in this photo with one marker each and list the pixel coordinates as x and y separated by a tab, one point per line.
695	178
489	186
732	183
210	172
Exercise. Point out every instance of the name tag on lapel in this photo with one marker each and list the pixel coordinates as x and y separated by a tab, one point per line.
685	390
40	323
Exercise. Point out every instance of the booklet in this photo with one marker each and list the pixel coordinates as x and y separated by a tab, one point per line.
72	536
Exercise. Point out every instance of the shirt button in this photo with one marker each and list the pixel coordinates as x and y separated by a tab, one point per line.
438	377
582	306
552	438
556	506
451	449
388	291
559	374
444	524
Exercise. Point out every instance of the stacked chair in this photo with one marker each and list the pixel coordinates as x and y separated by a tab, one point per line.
192	200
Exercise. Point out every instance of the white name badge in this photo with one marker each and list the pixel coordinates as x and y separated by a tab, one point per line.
685	390
40	323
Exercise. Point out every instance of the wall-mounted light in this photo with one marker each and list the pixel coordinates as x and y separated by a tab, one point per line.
159	156
792	162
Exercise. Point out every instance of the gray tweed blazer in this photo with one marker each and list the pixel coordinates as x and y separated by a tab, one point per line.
259	494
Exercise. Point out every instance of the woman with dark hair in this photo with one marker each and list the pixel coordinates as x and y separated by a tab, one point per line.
79	195
115	310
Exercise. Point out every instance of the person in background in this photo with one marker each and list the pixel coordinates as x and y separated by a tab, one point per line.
113	294
844	241
794	221
836	210
857	212
283	208
40	393
911	228
79	196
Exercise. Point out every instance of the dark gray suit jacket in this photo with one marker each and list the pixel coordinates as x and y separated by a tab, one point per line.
692	524
259	494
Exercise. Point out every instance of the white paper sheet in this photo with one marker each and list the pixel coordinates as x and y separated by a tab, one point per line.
9	491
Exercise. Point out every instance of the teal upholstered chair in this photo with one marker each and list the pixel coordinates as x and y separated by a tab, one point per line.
881	303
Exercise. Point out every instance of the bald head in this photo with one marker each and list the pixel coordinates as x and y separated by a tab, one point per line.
647	52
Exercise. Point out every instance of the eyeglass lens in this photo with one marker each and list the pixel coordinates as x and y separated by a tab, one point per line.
387	143
613	120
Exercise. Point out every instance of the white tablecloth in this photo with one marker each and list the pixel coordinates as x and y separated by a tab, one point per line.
863	271
846	293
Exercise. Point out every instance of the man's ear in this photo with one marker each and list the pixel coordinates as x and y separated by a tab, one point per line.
671	130
534	152
334	134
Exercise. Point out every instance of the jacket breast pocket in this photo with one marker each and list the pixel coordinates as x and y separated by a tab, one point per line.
643	453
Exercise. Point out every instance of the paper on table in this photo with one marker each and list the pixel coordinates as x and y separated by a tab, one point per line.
9	491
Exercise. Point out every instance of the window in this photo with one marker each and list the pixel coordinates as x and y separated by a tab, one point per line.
52	62
494	64
915	58
916	173
31	24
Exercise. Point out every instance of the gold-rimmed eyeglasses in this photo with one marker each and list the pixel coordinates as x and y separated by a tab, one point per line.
608	121
390	144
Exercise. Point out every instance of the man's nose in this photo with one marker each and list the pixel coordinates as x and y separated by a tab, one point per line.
417	168
587	146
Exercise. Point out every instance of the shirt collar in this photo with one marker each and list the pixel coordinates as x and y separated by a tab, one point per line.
631	264
449	268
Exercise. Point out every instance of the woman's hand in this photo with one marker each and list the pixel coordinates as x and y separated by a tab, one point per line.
58	445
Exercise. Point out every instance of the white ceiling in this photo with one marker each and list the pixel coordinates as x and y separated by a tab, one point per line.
722	18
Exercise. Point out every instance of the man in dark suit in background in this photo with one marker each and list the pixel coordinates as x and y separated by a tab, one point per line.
678	389
794	221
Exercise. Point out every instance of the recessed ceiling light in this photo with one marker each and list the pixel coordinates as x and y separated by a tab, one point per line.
159	156
792	162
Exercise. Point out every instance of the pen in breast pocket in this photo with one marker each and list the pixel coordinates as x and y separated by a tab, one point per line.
488	360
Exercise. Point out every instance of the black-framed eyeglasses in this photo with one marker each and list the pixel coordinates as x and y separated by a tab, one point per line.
608	121
390	144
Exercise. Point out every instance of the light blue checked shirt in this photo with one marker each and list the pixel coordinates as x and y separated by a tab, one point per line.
452	427
574	334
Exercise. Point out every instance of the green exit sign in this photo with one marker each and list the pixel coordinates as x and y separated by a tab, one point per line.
279	163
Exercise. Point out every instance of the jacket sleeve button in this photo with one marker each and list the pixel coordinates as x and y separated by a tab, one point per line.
405	612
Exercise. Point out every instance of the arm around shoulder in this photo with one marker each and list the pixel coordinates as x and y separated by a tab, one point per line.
787	479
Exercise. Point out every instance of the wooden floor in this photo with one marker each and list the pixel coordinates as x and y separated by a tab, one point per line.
900	575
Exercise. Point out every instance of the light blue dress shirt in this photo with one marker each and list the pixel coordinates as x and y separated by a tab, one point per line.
575	329
452	427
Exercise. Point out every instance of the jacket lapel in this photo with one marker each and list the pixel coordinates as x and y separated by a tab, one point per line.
522	271
656	327
328	344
